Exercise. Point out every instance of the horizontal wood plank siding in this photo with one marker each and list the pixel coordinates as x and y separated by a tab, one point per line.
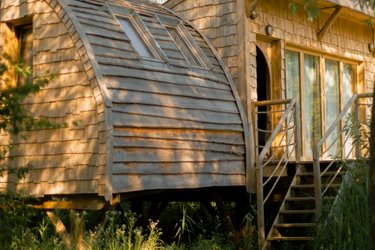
156	105
62	161
171	125
218	20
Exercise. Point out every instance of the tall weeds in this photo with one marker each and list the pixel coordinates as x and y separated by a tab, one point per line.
346	223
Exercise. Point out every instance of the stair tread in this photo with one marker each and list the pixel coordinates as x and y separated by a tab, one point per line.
291	238
313	185
294	211
326	173
295	225
300	198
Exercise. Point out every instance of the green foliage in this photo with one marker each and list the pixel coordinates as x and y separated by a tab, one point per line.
17	221
116	235
346	223
14	117
309	6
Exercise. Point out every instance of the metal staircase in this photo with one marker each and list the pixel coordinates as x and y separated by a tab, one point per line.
311	182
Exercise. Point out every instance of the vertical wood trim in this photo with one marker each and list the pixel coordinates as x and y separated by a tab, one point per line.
243	54
322	97
302	97
341	105
76	27
249	153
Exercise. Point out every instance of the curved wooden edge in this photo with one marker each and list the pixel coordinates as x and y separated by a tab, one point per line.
75	27
250	169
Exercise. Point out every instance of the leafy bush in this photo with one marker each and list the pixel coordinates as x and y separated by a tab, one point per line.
346	223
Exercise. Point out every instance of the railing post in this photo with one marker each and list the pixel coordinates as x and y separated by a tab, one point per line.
357	129
256	136
260	207
317	181
297	135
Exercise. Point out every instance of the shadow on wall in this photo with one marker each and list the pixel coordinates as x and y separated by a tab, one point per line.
65	160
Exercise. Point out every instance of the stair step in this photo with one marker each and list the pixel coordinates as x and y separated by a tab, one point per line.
289	225
294	203
300	198
295	238
307	211
333	185
326	173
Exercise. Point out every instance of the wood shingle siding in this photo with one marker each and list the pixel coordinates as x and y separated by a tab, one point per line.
134	123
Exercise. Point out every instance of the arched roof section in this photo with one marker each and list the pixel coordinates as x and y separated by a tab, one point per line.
173	118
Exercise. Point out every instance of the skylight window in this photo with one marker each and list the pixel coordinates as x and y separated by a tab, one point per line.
135	38
185	42
184	47
138	34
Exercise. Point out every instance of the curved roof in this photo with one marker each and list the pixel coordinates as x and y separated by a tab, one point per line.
173	118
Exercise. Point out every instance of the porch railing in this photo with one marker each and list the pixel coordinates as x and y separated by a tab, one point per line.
345	136
281	146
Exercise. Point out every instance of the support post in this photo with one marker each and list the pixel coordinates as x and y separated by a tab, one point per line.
77	229
227	220
60	229
298	132
260	207
317	182
329	22
357	129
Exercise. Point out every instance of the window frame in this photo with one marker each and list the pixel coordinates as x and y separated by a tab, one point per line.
191	45
20	32
121	12
322	57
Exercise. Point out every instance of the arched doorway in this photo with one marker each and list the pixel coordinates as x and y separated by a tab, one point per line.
263	93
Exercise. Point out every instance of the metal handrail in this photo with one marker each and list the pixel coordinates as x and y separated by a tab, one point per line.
288	142
319	152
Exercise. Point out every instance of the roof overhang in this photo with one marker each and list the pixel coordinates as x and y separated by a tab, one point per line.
354	7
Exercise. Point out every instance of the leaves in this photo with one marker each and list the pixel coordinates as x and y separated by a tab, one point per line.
14	117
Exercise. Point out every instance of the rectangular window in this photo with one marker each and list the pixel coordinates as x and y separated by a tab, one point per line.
310	104
332	104
184	46
25	43
185	42
324	86
135	38
139	36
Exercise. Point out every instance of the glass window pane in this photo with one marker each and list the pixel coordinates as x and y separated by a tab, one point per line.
347	82
311	121
332	105
292	86
292	74
135	38
183	46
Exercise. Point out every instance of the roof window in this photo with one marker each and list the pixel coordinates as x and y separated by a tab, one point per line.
185	42
140	38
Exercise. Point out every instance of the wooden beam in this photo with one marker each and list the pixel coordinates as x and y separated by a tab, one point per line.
329	22
227	220
250	7
60	229
79	204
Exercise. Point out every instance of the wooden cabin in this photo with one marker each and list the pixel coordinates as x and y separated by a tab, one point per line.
148	103
298	74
